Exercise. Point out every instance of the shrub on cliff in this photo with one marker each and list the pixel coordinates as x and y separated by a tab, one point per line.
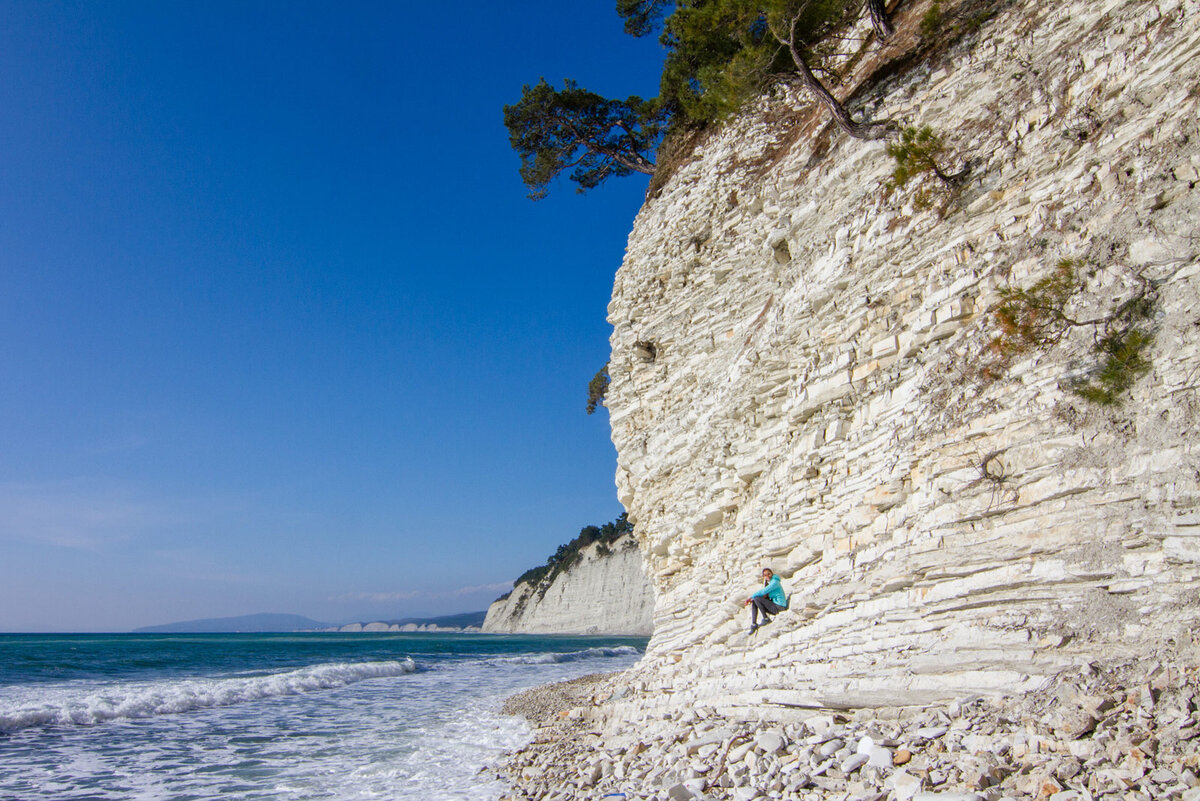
1037	318
917	151
568	553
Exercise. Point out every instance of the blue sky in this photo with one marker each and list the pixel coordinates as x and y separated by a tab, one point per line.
281	331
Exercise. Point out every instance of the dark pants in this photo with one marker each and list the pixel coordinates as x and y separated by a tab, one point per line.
765	605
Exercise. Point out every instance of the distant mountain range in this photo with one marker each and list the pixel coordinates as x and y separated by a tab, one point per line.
271	622
232	625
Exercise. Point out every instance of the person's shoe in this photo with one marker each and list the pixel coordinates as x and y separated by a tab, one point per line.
766	620
753	627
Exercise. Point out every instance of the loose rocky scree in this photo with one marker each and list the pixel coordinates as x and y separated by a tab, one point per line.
1128	732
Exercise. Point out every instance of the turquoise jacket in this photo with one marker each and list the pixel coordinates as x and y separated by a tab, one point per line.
774	591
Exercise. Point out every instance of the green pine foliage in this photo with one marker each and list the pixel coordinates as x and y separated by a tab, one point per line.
918	151
642	17
1124	355
572	130
569	554
1036	318
597	389
913	154
722	53
932	20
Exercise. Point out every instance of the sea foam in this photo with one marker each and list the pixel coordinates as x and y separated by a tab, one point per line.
88	705
569	656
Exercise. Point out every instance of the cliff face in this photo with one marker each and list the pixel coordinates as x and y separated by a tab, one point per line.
605	592
797	383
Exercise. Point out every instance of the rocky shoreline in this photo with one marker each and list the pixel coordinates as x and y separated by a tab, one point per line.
1127	731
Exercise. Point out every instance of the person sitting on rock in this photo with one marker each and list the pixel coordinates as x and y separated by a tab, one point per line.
769	600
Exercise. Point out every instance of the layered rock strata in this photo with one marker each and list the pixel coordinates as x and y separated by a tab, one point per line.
605	591
798	377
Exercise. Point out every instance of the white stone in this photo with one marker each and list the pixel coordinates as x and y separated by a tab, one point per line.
770	742
831	747
679	792
854	762
885	347
836	430
904	785
738	753
879	757
1148	251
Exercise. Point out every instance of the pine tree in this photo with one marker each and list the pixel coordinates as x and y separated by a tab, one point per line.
573	129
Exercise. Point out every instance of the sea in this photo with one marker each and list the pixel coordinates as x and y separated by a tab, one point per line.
273	716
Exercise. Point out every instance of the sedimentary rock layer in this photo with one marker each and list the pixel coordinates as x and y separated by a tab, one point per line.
801	376
605	592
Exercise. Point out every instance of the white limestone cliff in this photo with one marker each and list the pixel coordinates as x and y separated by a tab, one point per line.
796	383
605	592
379	626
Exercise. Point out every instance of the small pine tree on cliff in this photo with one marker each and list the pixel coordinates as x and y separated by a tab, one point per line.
597	389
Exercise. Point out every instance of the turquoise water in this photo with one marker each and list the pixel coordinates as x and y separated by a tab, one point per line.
272	716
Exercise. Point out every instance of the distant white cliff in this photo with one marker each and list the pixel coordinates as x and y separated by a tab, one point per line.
464	623
605	592
379	625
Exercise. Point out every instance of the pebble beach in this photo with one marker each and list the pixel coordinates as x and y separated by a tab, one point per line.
1118	732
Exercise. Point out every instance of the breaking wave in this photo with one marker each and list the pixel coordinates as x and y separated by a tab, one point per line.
88	706
571	656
